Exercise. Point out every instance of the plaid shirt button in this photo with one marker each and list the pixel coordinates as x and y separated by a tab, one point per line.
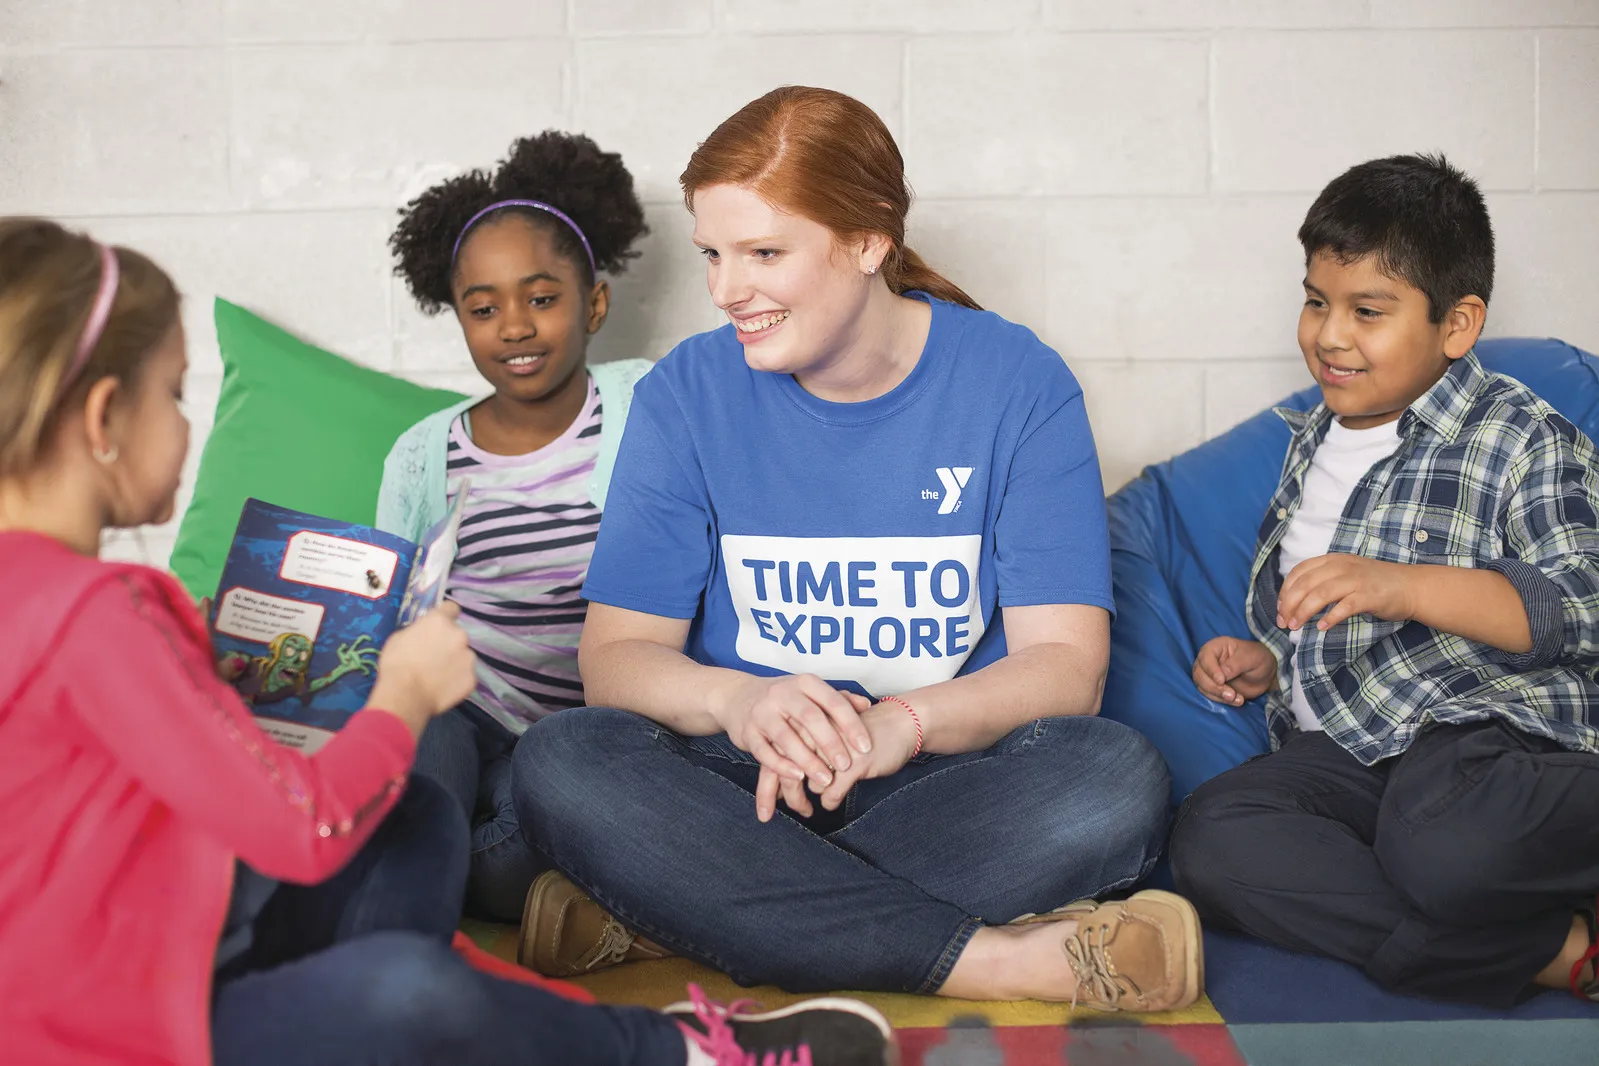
1421	536
1282	513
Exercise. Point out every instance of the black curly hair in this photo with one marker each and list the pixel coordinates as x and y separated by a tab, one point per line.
564	170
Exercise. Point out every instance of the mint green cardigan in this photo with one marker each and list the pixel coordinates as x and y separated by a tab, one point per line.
411	498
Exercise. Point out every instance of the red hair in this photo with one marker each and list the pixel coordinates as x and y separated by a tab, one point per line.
827	157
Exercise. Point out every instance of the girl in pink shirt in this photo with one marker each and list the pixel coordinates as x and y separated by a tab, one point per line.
176	886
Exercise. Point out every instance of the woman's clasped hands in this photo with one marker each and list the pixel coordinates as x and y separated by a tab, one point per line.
804	732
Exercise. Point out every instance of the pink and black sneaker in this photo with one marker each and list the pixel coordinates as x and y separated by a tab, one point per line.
818	1032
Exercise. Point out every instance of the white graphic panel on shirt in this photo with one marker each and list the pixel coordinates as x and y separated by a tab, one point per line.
889	613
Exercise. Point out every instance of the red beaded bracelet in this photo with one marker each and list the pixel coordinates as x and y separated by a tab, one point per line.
916	718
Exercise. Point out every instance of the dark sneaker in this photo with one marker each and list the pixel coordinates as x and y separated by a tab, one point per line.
567	934
818	1032
1144	953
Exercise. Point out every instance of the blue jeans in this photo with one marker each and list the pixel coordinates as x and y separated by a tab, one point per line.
469	753
882	894
359	969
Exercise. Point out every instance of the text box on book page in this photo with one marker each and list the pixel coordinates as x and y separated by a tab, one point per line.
259	616
339	564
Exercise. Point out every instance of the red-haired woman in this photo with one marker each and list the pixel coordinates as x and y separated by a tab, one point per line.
855	560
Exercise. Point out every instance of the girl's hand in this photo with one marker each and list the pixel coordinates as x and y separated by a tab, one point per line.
425	669
1230	671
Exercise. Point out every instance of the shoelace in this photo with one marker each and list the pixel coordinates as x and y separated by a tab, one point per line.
719	1042
615	940
1085	951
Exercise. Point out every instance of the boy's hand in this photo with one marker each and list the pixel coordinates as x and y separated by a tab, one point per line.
1348	585
1230	671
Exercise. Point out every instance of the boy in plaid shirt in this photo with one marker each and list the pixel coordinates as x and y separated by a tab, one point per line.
1425	599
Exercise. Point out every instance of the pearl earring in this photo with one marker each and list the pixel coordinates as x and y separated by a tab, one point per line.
106	456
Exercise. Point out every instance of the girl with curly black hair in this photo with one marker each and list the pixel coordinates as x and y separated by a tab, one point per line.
519	255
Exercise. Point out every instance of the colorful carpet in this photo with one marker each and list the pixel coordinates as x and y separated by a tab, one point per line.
1266	1007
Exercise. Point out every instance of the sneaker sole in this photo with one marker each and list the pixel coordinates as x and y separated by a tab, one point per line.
833	1003
1193	941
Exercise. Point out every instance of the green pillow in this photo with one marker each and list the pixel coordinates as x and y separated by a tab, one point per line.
295	426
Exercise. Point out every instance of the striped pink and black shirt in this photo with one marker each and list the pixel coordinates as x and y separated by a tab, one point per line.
526	539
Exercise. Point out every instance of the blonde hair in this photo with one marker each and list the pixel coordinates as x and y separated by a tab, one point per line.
49	277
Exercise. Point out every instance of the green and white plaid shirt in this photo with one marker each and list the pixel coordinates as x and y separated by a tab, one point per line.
1486	476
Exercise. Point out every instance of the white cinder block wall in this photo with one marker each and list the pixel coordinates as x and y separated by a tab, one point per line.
1124	176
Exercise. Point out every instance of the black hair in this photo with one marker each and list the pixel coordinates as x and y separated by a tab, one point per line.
1423	219
564	170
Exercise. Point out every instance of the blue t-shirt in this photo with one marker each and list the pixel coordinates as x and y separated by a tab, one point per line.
869	543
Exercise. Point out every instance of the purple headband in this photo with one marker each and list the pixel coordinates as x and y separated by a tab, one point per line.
537	205
104	297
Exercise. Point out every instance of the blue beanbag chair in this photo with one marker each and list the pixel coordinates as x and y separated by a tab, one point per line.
1182	538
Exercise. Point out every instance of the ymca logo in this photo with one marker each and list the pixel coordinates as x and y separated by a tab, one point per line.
954	479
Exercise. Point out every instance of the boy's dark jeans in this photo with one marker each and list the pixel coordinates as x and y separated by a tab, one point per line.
1451	871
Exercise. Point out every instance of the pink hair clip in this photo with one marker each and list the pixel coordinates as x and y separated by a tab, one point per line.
104	297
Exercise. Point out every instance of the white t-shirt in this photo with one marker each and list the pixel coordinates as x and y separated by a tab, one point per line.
1343	458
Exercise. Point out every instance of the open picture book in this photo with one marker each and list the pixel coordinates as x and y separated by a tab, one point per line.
305	605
